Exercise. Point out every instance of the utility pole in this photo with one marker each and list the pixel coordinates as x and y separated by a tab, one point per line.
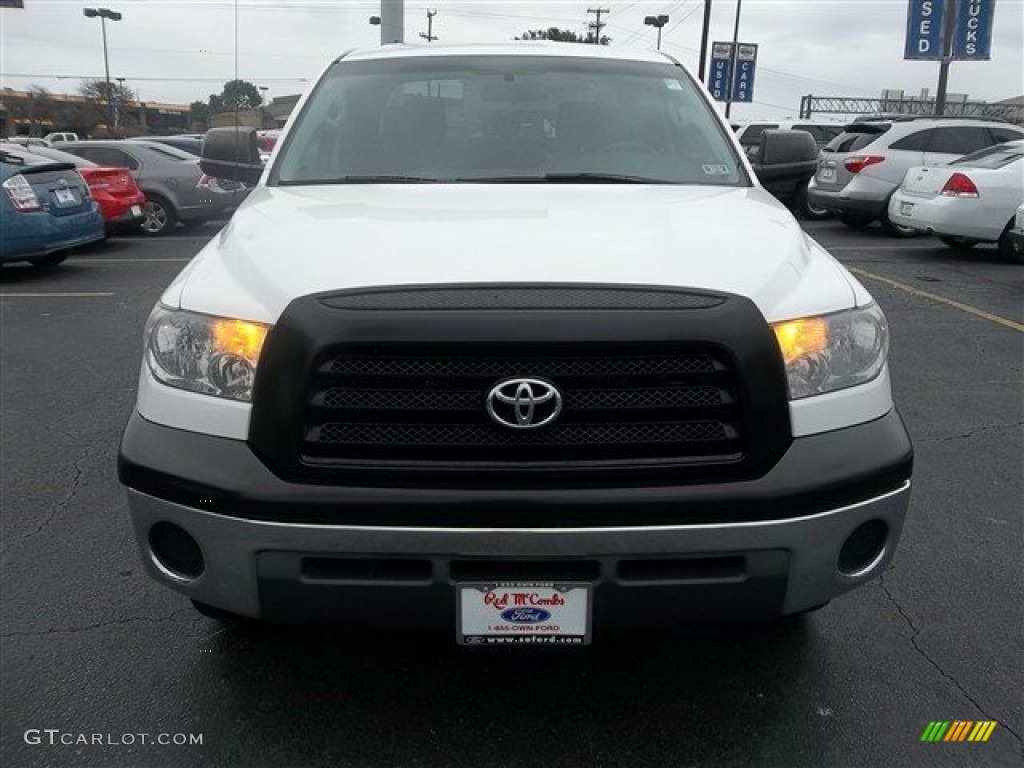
948	27
597	25
392	21
702	68
430	36
735	42
120	102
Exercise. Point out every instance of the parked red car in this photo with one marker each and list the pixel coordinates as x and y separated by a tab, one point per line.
120	200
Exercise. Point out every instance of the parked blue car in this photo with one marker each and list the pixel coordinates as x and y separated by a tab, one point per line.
45	210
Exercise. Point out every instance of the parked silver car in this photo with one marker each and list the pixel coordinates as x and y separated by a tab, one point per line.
176	188
859	171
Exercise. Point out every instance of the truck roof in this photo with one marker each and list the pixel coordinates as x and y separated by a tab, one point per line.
519	48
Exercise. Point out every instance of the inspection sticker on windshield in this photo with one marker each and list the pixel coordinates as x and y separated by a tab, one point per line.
716	170
524	613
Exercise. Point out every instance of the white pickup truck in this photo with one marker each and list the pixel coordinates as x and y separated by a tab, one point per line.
508	339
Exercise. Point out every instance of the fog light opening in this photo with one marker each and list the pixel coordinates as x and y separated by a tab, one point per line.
864	548
175	552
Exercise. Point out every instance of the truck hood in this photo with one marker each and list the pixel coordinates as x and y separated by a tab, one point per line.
289	242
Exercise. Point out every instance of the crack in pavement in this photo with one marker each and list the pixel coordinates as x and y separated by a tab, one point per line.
97	625
970	433
924	654
57	508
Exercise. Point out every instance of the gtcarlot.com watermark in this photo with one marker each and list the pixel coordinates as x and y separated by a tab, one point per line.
56	737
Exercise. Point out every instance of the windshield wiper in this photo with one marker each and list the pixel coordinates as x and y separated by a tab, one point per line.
567	178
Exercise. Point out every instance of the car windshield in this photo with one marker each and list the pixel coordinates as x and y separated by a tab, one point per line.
167	152
993	157
60	157
506	119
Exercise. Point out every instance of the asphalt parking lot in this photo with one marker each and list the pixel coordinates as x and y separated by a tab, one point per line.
91	646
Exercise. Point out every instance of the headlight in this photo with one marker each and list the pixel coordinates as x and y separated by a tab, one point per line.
831	352
212	355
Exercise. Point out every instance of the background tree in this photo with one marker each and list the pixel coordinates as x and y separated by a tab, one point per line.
561	36
237	94
199	115
96	91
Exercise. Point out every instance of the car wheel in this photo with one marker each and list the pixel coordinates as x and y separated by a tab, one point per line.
160	217
809	210
1007	249
855	220
958	243
51	260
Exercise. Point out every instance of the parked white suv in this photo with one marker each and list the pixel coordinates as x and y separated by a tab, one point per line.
57	138
861	169
507	339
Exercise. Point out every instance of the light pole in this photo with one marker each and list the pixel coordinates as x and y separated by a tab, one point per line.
656	21
104	14
704	41
263	104
120	102
735	43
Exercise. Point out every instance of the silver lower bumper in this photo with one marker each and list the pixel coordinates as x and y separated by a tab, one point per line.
232	547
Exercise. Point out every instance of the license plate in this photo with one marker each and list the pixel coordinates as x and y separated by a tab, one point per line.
65	197
827	174
524	613
906	208
136	210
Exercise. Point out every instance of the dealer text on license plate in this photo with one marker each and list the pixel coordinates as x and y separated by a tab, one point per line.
514	613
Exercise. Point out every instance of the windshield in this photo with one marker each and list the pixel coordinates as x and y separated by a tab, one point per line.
993	157
60	157
506	118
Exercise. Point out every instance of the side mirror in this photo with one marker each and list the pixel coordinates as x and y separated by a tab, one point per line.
784	147
232	153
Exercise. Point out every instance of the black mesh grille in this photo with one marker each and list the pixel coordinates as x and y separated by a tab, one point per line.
499	366
383	406
473	435
553	297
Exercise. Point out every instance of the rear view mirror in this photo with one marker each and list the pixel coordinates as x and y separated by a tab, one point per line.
232	153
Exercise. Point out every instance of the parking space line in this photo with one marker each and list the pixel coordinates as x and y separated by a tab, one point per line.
54	295
941	299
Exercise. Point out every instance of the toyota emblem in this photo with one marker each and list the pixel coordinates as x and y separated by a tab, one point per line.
524	403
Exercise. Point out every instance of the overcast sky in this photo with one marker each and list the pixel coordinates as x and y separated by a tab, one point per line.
183	50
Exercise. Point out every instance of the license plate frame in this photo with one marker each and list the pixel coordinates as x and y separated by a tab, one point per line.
65	197
906	209
136	210
558	613
828	173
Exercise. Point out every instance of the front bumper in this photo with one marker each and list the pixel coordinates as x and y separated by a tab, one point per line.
750	549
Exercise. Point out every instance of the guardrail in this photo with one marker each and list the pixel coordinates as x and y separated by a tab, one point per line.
847	105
